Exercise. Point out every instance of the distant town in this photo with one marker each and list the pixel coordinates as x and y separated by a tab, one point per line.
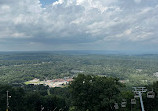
51	83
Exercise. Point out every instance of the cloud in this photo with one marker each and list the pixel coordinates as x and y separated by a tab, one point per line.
73	22
137	1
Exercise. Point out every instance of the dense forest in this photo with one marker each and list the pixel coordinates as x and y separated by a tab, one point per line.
20	67
85	93
100	81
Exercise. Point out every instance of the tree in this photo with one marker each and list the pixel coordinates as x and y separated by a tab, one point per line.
152	104
94	93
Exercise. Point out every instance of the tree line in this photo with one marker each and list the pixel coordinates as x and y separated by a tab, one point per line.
85	93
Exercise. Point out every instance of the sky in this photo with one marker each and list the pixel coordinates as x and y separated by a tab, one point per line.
48	25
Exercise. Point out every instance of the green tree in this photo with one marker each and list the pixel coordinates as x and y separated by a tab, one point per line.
151	104
94	93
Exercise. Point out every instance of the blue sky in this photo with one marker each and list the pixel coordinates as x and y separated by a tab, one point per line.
47	2
47	25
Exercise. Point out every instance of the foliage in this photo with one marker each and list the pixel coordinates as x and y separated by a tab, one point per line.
87	92
94	93
30	100
23	66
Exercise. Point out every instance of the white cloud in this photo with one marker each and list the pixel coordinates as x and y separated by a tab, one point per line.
58	2
5	8
80	21
137	1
